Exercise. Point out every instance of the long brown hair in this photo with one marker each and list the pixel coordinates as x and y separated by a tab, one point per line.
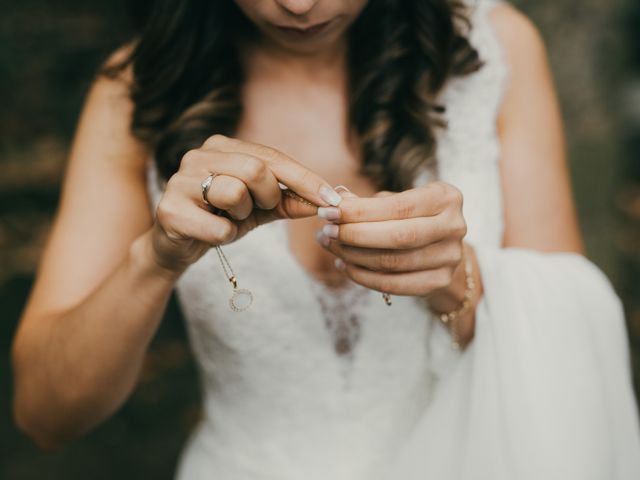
187	77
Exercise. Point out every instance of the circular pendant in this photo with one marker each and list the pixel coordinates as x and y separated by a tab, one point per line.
241	299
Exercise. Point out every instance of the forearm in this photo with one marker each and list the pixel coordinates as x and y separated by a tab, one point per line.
450	298
74	369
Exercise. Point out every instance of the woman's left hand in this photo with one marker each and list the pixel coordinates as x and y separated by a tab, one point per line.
407	243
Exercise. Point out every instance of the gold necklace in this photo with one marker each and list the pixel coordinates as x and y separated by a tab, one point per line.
241	298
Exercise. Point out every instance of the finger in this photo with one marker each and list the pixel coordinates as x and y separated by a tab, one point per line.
252	171
417	202
333	213
344	192
439	254
383	193
392	234
290	206
291	173
182	220
294	207
421	283
287	208
230	194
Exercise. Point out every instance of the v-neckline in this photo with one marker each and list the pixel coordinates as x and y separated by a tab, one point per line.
282	227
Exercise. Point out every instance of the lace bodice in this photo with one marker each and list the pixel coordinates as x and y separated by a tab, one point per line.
311	382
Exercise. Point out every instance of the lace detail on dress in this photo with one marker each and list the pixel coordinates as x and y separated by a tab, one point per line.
339	307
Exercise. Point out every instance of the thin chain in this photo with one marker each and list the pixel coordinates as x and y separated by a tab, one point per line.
228	271
295	196
226	265
241	298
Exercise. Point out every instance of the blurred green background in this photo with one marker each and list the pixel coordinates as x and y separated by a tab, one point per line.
49	52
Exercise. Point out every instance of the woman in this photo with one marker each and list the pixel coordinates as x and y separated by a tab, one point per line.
235	120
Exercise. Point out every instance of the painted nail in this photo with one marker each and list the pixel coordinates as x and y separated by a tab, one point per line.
322	239
330	196
344	192
329	213
339	264
330	230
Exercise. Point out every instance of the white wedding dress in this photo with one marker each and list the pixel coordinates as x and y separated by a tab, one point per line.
312	383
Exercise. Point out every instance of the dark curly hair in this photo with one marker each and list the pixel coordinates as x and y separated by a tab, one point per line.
187	77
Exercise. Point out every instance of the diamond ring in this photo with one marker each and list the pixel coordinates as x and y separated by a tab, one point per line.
206	184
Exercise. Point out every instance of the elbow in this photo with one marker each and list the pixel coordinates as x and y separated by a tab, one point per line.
33	412
51	413
41	436
51	419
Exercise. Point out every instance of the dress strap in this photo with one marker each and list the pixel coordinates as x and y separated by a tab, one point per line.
485	39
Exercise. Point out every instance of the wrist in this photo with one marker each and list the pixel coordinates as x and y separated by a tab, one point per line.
450	298
142	255
455	304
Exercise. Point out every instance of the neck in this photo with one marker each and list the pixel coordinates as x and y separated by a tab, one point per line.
266	57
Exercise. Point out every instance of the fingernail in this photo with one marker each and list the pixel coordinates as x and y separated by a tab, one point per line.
330	196
339	264
322	239
329	213
330	230
344	191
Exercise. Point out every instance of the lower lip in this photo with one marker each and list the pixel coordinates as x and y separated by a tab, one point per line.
309	33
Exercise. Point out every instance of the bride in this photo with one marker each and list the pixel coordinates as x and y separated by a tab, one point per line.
365	209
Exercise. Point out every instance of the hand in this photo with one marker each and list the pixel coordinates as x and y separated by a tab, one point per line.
246	187
407	243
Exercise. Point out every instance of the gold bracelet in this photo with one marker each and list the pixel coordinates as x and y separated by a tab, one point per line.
450	318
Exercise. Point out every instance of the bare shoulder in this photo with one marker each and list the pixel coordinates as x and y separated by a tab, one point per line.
525	54
103	205
515	27
517	32
113	63
533	161
113	81
108	108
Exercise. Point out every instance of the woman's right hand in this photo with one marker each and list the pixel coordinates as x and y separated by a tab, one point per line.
246	187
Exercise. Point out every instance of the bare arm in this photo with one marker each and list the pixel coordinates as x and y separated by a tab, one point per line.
538	203
74	338
108	269
539	209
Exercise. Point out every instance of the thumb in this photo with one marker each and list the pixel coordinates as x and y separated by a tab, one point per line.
383	193
287	208
344	192
290	206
